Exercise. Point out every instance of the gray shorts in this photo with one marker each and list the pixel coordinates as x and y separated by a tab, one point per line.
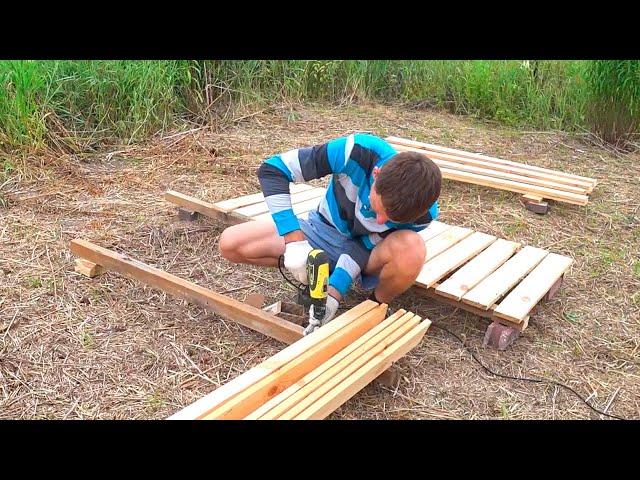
326	237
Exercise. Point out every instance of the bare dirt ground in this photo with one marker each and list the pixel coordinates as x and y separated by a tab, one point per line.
111	348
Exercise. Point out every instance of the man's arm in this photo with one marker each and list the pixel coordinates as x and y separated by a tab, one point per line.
298	166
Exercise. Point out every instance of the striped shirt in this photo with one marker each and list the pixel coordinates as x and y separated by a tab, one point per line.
350	160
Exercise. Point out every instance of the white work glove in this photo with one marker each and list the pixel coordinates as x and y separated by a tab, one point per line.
295	259
332	308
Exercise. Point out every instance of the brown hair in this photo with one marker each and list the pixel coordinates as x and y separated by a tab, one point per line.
408	184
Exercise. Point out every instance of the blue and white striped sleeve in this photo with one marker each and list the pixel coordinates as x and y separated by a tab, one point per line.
298	166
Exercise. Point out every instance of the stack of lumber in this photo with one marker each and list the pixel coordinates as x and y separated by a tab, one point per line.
535	183
317	374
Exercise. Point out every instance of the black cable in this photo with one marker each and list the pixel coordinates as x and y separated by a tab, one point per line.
280	261
535	380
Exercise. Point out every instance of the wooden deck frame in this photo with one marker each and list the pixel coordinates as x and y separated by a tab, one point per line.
211	210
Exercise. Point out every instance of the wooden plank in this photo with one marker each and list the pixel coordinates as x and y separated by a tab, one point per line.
281	376
356	381
507	173
499	161
477	269
350	364
445	240
229	308
516	187
517	305
258	208
202	207
434	228
453	257
303	387
204	405
238	202
504	278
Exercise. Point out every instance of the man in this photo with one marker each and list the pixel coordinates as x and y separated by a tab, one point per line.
367	222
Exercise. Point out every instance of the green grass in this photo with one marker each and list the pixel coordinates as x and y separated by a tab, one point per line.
85	103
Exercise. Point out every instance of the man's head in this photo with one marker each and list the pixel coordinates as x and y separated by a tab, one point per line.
405	187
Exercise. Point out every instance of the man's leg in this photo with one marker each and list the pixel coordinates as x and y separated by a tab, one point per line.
253	242
397	261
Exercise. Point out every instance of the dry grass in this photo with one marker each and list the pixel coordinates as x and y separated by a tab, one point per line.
110	347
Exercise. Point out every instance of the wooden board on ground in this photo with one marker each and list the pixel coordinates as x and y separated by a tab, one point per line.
228	307
505	172
445	240
518	304
489	290
453	257
476	270
494	160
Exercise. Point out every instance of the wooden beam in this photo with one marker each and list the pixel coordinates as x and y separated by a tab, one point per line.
327	342
207	209
203	406
234	310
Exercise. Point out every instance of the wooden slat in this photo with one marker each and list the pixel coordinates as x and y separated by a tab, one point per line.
356	381
235	203
434	228
506	172
445	240
282	376
200	408
227	307
477	269
258	208
202	207
504	278
462	153
350	364
453	257
303	387
517	305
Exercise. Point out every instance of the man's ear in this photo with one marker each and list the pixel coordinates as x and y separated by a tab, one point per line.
376	170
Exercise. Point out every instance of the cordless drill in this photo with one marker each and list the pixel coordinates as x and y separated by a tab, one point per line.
315	293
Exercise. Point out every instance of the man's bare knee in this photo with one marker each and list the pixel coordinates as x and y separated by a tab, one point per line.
228	245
